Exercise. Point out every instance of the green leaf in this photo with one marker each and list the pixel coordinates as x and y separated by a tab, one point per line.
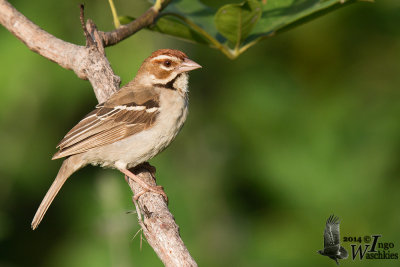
176	27
125	19
281	15
172	26
235	21
219	3
195	12
234	28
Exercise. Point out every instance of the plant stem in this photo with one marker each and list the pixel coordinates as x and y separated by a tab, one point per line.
214	42
114	13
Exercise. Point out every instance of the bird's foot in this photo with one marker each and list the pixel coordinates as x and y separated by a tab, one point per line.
158	189
147	188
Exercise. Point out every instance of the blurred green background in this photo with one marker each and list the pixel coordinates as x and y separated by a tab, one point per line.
303	125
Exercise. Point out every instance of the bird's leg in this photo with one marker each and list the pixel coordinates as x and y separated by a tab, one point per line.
155	188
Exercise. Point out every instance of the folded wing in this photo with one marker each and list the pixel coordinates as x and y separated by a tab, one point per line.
106	125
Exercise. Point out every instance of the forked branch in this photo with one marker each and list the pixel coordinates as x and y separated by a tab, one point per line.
89	62
124	31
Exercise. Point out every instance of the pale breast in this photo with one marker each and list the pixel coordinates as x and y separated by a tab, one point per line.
143	146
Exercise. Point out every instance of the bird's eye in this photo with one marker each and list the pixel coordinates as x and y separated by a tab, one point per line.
167	63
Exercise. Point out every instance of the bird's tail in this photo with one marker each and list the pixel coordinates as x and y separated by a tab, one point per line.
343	254
69	166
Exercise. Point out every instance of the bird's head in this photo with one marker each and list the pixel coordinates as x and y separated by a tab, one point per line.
164	66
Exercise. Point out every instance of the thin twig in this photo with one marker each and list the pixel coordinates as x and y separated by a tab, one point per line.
124	31
90	63
89	40
214	42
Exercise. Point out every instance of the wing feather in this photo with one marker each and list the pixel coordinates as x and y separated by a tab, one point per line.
332	232
100	139
108	124
85	132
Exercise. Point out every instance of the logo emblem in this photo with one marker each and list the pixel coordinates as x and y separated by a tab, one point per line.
332	247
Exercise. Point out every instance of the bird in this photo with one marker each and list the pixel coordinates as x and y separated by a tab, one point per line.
135	124
332	247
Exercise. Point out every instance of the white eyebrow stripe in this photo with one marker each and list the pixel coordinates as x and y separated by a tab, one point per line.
164	57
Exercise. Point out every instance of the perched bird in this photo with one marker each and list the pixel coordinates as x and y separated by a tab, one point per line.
132	126
332	247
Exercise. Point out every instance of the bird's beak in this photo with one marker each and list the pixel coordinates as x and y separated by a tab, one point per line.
188	65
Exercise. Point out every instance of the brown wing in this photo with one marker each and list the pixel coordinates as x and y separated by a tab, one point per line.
109	123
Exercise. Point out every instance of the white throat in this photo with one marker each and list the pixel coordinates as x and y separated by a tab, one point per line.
181	84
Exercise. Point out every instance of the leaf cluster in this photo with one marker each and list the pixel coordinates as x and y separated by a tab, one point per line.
233	26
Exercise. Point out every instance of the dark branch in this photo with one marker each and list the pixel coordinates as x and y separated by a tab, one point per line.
124	31
89	40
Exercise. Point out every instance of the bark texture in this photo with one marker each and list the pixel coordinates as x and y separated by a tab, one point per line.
90	63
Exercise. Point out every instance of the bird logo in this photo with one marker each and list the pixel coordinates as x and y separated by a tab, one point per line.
332	247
